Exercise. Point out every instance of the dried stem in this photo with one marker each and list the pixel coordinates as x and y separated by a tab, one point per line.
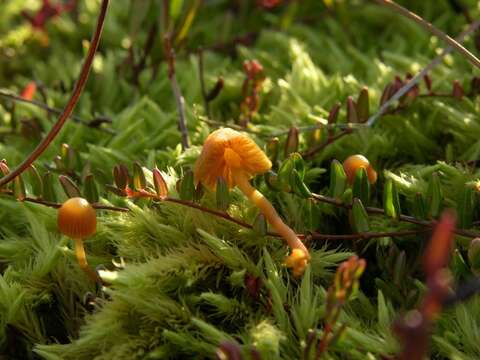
201	71
180	101
410	84
56	205
366	235
77	91
404	218
432	29
149	43
311	152
217	213
56	111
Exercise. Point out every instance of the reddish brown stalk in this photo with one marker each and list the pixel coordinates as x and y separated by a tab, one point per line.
56	205
56	111
177	93
415	328
404	218
365	236
432	29
311	152
77	91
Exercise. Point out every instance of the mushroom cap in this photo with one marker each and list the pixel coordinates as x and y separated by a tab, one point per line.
77	218
226	150
354	163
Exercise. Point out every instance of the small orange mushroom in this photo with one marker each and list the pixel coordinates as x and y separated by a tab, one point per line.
77	219
235	157
355	162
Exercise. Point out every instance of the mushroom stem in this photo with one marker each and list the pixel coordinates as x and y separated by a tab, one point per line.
82	260
269	212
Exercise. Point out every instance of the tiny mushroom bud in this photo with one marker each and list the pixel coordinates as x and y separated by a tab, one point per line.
355	162
77	219
236	158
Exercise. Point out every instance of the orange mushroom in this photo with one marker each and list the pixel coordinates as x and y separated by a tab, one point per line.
355	162
77	219
235	157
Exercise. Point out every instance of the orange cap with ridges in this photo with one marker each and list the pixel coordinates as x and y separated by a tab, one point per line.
77	218
225	150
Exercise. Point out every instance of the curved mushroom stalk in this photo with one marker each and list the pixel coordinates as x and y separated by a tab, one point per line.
236	158
82	260
299	258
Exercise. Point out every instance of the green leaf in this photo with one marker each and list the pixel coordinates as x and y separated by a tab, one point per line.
19	188
419	207
222	194
175	8
285	173
70	188
121	177
188	21
361	186
90	190
35	181
161	187
459	266
260	225
271	179
139	181
359	216
338	179
465	207
391	202
69	157
474	255
352	113
399	268
363	109
291	144
187	186
435	196
271	149
298	186
48	188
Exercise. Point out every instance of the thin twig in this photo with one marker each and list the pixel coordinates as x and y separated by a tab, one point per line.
56	205
77	91
365	235
201	71
309	153
56	111
179	100
404	218
410	84
432	29
149	43
217	213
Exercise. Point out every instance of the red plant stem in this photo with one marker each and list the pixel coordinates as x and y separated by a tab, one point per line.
217	213
432	29
366	235
201	73
177	93
309	153
77	91
56	205
404	218
322	346
50	110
